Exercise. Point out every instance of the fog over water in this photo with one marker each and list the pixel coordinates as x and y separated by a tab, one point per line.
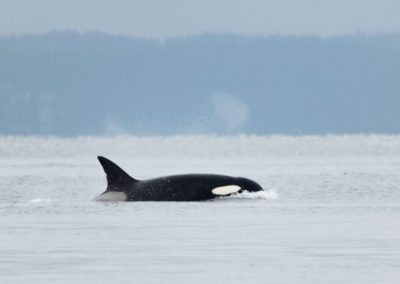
161	19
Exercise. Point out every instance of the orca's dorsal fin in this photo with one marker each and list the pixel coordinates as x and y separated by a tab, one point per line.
117	178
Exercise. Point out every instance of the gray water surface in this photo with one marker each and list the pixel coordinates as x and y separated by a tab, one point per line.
327	216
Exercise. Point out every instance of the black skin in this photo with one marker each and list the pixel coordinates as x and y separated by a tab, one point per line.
187	187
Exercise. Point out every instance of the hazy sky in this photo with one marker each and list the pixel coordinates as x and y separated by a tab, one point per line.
164	18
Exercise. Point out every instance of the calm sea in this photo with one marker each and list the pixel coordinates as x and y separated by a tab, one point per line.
330	212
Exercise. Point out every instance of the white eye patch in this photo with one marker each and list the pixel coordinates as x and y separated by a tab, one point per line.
112	196
226	190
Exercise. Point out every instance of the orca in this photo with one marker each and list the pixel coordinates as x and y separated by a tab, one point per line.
186	187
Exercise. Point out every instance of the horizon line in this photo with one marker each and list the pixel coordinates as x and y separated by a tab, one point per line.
200	34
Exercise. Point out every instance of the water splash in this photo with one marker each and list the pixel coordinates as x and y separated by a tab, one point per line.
263	195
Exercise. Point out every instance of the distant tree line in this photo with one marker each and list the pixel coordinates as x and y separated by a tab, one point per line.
94	84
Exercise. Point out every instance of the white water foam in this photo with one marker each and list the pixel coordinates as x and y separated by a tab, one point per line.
264	195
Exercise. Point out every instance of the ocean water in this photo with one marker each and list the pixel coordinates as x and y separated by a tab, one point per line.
330	212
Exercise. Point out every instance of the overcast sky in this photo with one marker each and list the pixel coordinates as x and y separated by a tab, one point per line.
165	18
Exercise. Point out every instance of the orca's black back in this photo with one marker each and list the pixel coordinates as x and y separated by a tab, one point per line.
189	187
